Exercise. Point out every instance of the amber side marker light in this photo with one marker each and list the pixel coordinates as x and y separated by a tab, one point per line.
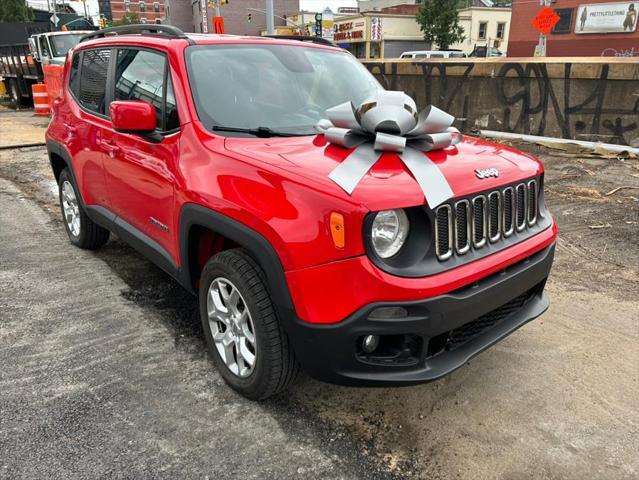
337	229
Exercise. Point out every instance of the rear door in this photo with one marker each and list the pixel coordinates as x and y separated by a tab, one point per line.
84	122
140	171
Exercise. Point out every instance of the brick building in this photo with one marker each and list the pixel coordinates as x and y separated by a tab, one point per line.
587	28
150	11
196	16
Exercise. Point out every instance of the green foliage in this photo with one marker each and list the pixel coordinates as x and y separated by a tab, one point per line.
128	19
439	20
15	11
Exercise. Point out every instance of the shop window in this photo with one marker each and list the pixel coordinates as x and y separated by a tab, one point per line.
483	26
565	20
501	30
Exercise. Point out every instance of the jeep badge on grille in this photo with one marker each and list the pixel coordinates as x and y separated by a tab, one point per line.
482	173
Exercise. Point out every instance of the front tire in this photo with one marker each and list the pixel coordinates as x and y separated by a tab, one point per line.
82	231
249	346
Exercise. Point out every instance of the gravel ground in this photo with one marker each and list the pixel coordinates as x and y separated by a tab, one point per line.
105	372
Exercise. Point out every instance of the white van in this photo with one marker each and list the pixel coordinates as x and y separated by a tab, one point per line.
433	54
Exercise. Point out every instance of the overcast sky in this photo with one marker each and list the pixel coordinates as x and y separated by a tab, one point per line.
319	5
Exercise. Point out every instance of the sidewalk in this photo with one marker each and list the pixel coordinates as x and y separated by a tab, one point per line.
21	128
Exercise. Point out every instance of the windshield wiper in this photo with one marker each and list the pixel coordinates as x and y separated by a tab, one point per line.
261	132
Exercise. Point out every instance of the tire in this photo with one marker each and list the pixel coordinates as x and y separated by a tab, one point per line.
82	232
274	363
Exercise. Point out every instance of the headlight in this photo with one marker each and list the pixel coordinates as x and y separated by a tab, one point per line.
389	232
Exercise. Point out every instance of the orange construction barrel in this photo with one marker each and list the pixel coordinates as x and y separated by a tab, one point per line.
53	80
40	99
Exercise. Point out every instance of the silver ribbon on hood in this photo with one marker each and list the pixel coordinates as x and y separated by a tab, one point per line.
390	123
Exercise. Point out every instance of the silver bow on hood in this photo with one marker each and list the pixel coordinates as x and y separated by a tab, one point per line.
390	123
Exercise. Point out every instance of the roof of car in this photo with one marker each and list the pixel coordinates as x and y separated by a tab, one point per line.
152	35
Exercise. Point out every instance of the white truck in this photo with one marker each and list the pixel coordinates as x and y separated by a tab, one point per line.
21	64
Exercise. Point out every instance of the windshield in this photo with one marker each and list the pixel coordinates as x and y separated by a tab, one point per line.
61	44
281	87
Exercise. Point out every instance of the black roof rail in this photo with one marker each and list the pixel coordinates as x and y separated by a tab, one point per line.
139	29
305	38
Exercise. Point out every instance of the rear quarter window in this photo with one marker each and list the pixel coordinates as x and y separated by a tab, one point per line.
93	80
74	76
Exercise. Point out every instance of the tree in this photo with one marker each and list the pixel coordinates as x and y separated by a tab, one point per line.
15	11
128	19
439	20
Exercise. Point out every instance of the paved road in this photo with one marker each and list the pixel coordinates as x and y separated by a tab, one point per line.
103	371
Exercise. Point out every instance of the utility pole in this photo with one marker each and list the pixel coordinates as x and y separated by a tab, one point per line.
270	21
542	37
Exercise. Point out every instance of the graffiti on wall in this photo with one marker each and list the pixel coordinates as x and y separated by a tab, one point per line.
522	98
622	52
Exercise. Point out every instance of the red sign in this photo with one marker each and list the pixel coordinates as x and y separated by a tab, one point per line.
545	20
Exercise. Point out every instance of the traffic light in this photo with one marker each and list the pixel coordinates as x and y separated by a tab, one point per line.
318	24
249	17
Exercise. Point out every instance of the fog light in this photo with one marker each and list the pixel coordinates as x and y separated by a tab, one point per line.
370	343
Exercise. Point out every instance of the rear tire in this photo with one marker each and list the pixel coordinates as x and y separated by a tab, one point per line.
82	231
235	307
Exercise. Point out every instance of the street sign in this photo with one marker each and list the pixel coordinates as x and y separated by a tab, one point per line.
545	20
54	19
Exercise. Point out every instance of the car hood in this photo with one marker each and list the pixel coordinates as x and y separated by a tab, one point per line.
389	184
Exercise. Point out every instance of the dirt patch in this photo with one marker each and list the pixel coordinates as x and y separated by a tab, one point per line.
21	127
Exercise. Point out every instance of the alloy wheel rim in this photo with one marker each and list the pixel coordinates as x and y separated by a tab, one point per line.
231	327
70	208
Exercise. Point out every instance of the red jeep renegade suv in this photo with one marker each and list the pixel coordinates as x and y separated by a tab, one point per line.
201	151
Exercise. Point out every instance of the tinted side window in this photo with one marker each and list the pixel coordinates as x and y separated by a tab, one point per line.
139	75
74	76
95	64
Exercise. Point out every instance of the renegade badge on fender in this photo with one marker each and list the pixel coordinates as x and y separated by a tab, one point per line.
384	250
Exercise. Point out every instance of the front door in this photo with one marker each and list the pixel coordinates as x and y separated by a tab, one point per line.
140	172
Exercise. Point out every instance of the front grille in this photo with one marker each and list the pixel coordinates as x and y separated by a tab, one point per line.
443	224
521	206
479	221
486	218
462	226
509	209
471	330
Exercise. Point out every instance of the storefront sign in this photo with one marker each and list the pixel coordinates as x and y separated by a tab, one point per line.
607	18
349	31
376	29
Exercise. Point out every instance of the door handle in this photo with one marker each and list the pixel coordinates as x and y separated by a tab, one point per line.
111	149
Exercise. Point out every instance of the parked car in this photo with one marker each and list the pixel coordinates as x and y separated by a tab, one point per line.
434	54
201	152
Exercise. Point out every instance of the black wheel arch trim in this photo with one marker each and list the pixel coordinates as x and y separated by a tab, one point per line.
193	215
58	149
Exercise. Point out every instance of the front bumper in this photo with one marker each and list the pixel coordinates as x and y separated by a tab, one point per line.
433	337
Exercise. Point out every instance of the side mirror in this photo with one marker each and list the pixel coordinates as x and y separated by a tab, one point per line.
133	116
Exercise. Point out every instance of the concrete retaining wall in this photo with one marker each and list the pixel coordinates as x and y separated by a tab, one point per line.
593	99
